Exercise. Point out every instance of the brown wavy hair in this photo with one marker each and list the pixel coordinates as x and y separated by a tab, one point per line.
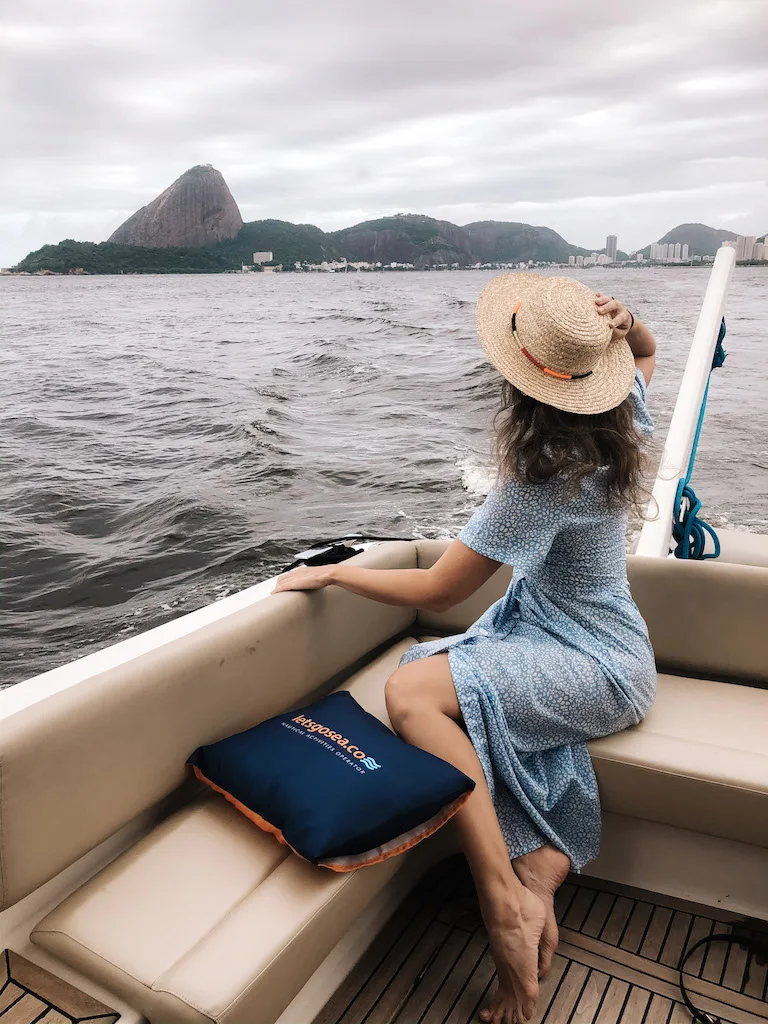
534	442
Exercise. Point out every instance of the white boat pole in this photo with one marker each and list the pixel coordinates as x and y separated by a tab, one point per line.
656	535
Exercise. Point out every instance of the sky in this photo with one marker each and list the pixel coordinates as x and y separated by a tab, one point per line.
590	117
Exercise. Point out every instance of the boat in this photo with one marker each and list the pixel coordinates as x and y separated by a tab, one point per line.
129	894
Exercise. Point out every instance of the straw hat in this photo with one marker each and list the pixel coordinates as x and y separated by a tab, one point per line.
545	335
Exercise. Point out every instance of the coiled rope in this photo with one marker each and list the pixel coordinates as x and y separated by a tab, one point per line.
689	530
755	945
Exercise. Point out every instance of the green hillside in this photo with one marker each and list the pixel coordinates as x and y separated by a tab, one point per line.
507	241
288	243
405	238
113	258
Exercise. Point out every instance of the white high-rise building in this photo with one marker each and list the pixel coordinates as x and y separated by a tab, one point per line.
678	250
745	247
579	261
610	247
684	254
571	261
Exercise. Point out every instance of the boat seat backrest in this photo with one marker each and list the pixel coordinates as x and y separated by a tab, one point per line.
80	764
707	619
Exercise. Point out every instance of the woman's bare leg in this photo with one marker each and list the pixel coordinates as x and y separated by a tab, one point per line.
543	871
424	710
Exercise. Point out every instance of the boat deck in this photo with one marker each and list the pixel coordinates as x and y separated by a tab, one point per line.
616	963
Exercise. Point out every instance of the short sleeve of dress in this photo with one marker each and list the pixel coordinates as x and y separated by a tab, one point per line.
516	523
637	397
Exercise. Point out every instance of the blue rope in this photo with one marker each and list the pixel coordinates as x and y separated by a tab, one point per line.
688	530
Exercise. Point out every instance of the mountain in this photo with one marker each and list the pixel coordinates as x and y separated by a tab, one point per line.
195	227
426	242
702	240
196	210
405	238
507	242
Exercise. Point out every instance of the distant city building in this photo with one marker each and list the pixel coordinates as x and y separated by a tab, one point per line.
579	261
640	258
684	254
610	248
262	257
571	261
745	247
678	250
602	259
761	251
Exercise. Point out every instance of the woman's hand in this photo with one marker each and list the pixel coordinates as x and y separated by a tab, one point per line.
640	340
306	577
620	319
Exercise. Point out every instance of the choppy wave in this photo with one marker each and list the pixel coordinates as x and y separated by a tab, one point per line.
168	441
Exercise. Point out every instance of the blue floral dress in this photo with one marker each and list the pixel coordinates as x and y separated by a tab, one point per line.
562	658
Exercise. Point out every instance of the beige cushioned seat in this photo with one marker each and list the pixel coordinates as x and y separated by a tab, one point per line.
699	761
208	918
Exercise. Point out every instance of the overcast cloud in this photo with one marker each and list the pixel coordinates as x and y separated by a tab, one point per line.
588	117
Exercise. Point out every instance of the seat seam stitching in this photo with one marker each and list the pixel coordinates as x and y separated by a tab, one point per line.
89	949
681	775
277	955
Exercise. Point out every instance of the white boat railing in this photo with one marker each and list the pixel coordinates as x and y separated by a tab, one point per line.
656	535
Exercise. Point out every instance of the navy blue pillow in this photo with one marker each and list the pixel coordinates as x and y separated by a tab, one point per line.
333	783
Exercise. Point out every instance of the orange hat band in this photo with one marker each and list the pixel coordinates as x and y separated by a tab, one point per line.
544	369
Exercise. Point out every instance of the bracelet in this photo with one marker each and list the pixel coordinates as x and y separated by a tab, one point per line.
633	321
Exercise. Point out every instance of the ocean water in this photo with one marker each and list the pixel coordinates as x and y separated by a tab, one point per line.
167	441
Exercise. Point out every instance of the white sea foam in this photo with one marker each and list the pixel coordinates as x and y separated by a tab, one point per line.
477	475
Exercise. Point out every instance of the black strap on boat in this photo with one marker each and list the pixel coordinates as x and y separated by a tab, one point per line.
747	942
331	555
353	536
335	551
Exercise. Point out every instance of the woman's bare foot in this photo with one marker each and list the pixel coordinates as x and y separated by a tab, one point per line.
543	871
514	925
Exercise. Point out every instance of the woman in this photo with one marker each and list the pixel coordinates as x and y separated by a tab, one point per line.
564	656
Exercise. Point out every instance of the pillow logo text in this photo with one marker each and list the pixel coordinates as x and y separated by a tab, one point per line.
340	740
